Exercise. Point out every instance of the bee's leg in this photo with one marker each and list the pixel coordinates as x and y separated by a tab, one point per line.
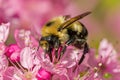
62	51
56	53
38	45
49	50
86	50
71	40
56	46
50	54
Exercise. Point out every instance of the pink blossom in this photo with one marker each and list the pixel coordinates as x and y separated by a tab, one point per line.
36	65
84	70
50	67
107	52
107	63
108	60
3	62
27	68
60	68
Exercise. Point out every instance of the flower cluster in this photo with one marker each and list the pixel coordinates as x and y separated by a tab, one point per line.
23	61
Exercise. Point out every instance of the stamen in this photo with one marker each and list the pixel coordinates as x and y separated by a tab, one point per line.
100	64
23	70
75	68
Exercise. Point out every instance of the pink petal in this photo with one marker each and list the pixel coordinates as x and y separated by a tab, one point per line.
8	74
91	60
4	31
46	63
24	38
60	77
3	62
43	75
26	58
2	48
13	52
106	51
70	57
15	57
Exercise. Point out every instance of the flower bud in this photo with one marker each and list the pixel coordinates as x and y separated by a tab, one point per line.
13	52
43	75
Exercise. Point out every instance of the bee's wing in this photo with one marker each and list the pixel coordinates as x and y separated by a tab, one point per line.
71	20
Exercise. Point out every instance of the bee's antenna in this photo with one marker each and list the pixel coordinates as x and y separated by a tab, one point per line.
67	23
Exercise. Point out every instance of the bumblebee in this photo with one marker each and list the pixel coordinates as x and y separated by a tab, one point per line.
64	31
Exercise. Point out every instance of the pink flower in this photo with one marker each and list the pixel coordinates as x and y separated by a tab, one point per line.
107	66
84	70
107	52
28	68
36	65
13	52
109	61
60	67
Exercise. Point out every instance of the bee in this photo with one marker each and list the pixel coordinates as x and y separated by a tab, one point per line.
64	31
